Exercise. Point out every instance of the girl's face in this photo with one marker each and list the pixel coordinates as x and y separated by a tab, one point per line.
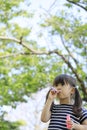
65	91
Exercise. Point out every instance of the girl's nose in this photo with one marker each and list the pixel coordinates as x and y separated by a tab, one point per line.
58	87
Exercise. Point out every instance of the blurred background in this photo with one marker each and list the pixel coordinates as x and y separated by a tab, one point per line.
38	41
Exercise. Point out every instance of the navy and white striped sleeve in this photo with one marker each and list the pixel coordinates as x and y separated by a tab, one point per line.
83	116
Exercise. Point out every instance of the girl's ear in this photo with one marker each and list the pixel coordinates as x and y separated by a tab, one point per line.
73	90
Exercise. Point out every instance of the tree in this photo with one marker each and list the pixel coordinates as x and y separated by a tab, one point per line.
82	4
72	31
27	67
10	10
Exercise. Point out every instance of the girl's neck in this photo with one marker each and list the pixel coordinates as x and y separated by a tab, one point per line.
65	101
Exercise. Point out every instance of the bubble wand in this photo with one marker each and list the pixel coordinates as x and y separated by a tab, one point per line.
68	119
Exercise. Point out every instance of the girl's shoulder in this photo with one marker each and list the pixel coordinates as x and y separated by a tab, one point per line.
84	110
83	115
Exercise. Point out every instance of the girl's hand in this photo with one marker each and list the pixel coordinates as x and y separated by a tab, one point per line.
53	93
69	123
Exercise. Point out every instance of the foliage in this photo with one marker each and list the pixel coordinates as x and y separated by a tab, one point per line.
23	73
73	33
7	125
27	67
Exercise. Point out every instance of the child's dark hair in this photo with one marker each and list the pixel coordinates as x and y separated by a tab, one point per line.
62	79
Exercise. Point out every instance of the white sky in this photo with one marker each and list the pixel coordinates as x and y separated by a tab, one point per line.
40	7
44	3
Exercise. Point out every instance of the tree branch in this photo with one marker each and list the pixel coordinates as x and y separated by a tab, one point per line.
75	3
23	44
74	71
68	50
14	55
26	53
32	51
9	55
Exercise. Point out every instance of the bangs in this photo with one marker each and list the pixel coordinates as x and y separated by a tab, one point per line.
64	79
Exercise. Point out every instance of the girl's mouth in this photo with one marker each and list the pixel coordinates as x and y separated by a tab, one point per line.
59	91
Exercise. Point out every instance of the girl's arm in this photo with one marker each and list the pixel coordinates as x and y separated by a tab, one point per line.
46	112
75	126
82	126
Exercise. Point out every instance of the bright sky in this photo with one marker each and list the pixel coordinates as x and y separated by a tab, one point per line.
40	7
44	3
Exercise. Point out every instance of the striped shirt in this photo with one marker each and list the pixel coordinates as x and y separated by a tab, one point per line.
58	117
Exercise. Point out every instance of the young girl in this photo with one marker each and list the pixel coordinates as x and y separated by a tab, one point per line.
70	103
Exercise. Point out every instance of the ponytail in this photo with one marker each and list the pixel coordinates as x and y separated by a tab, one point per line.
77	107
